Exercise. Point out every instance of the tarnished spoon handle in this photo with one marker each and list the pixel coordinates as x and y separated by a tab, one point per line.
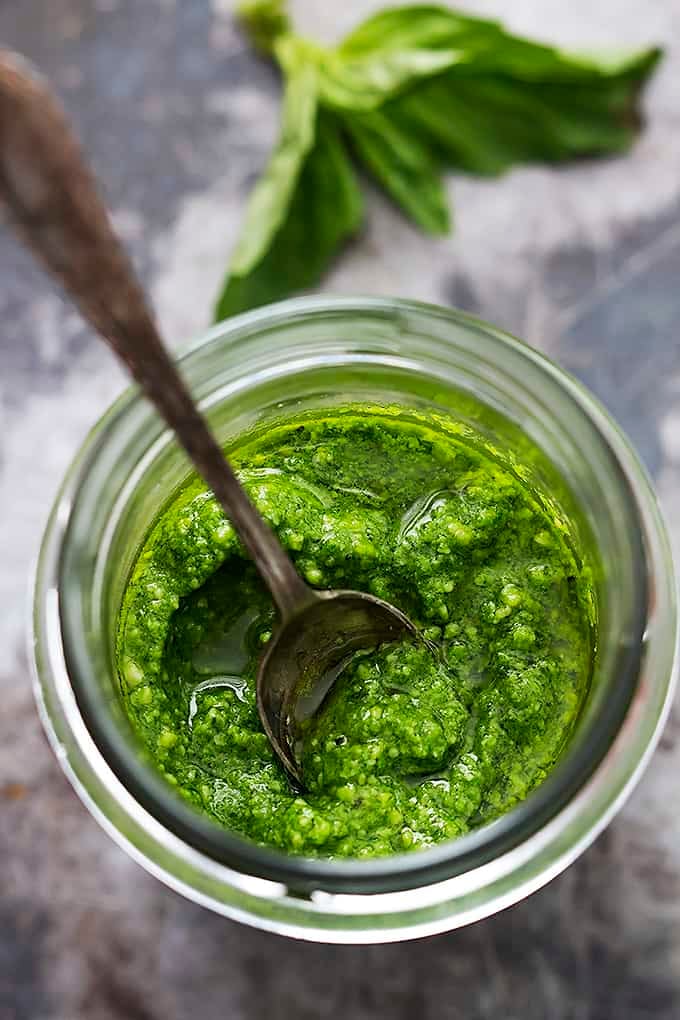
52	196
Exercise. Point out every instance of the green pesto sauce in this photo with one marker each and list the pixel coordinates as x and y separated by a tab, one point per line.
411	747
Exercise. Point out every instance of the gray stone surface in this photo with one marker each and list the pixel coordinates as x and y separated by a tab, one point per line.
584	262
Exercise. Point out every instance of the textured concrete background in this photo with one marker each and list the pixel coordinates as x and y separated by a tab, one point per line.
584	262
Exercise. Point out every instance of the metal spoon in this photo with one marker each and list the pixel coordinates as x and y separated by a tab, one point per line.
52	197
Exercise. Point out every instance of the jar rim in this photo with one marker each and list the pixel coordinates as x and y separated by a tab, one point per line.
399	871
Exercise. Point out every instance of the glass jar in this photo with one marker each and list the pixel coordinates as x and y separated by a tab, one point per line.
317	353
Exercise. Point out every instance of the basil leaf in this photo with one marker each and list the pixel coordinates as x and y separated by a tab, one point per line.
398	48
403	166
326	208
414	89
486	123
269	203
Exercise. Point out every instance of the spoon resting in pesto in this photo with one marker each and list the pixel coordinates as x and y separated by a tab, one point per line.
52	197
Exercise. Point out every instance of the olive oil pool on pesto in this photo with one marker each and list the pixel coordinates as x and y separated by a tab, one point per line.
411	747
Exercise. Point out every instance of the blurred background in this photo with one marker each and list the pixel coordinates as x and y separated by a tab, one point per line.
583	261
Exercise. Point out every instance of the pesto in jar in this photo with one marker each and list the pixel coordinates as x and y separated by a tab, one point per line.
411	747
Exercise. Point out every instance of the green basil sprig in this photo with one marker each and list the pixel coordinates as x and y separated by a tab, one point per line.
410	92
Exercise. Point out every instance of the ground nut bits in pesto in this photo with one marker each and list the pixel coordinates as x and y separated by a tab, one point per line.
411	747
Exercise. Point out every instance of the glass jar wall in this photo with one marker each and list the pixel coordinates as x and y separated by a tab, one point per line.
292	359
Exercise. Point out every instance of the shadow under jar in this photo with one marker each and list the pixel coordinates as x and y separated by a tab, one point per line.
318	354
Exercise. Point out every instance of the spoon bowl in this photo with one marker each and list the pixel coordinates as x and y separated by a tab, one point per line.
306	655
